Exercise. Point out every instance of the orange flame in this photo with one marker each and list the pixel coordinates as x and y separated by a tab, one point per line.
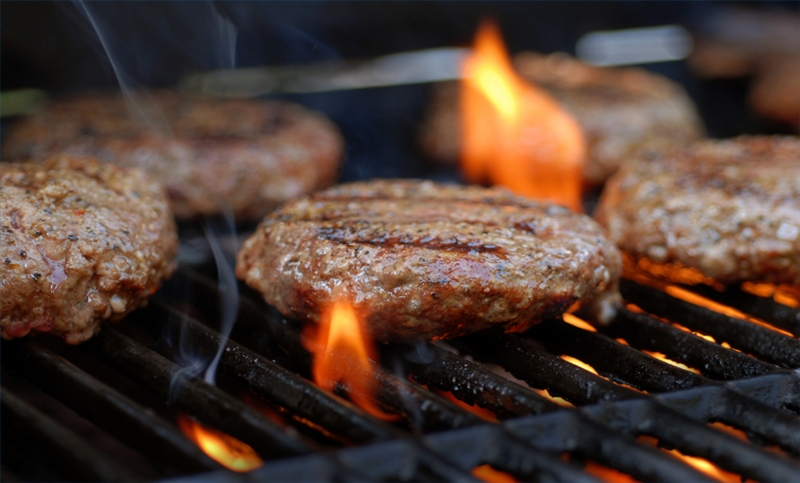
701	464
491	475
607	474
482	413
513	133
226	450
343	354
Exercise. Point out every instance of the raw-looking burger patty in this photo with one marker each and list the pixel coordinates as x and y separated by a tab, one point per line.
730	209
622	112
82	242
213	155
426	261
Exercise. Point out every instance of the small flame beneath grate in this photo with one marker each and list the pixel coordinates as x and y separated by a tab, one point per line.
490	475
513	133
343	354
226	450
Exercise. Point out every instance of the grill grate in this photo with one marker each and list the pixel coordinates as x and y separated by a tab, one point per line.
129	384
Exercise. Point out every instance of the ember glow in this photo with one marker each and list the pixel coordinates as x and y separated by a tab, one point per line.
491	475
226	450
482	413
607	474
343	354
513	133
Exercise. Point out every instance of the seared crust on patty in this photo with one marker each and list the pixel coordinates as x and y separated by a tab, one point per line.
211	154
82	242
426	261
622	111
730	209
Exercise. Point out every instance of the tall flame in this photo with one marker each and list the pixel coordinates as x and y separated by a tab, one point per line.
226	450
513	133
343	354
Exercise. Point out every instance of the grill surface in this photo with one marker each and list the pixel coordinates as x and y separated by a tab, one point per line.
128	385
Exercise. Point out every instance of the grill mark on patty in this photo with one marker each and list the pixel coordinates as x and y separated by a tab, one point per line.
529	226
488	201
451	244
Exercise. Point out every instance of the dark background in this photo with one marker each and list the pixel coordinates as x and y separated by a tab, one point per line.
53	46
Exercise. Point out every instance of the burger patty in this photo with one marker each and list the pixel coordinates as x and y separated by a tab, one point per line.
730	209
622	112
82	242
213	155
421	260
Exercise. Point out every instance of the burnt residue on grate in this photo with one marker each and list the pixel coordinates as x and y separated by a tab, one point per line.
633	395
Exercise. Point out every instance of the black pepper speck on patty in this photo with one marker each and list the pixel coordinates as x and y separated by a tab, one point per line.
80	242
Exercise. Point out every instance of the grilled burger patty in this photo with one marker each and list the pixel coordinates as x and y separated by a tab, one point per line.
82	242
730	209
622	112
211	154
426	261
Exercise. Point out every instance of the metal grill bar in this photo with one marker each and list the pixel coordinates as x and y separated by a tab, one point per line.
109	409
611	359
73	457
191	395
644	331
764	343
781	316
654	419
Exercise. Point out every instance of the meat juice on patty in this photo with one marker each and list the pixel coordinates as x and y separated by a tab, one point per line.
421	260
213	155
728	208
82	242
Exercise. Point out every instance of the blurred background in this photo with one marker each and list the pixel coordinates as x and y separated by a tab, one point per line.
68	46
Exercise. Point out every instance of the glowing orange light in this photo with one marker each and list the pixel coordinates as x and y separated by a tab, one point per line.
513	133
579	323
579	363
491	475
476	410
607	474
226	450
707	467
343	354
663	357
690	276
558	400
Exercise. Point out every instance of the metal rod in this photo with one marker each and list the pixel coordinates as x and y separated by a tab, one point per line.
275	384
766	309
73	457
119	415
644	331
741	334
207	403
611	359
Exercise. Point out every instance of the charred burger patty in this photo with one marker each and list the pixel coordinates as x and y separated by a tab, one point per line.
82	242
213	155
730	209
424	261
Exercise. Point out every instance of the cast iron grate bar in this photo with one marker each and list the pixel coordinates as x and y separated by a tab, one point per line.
286	336
67	453
764	343
644	331
768	310
191	395
735	448
532	364
128	421
235	364
241	364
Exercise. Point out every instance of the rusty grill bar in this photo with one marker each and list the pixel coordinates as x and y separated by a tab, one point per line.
128	384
